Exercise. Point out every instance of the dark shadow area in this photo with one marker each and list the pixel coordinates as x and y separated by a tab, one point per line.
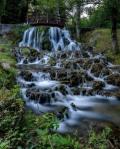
13	11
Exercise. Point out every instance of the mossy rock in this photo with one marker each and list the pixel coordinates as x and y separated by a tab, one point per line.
62	88
97	68
98	85
52	61
38	96
27	75
113	79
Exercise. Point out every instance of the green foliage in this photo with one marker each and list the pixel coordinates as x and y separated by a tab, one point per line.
57	141
101	40
4	144
17	33
7	77
15	11
111	8
99	140
2	7
98	18
23	129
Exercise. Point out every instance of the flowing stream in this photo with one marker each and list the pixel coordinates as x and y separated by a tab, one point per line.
67	78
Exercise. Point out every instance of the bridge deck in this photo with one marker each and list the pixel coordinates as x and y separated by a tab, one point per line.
36	20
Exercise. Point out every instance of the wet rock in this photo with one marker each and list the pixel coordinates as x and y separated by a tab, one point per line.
52	75
38	96
96	60
89	92
75	66
97	68
87	77
75	79
52	61
32	59
77	54
27	75
87	63
61	75
63	55
25	61
113	79
117	94
63	114
106	72
76	90
67	65
98	85
34	53
112	94
62	88
85	54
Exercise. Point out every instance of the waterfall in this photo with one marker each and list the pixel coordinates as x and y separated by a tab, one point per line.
59	38
68	80
32	39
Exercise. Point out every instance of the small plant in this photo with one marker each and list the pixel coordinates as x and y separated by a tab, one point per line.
99	141
4	144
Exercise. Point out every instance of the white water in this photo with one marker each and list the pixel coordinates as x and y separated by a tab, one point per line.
32	38
47	95
59	38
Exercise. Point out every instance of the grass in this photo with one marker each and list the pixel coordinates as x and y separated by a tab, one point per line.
5	52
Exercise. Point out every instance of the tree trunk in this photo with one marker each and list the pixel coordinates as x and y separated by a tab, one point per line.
58	7
78	19
115	45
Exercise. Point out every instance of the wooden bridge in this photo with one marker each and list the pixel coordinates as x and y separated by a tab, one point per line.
36	19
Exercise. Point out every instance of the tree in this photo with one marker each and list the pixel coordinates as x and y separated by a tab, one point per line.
75	9
78	15
2	8
112	11
15	11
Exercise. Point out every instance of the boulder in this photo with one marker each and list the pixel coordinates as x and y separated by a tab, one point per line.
5	66
97	68
38	96
98	85
27	75
114	79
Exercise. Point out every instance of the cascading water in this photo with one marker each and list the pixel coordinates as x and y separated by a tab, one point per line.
32	38
59	39
69	80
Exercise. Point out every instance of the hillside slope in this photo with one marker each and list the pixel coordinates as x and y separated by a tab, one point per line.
100	39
